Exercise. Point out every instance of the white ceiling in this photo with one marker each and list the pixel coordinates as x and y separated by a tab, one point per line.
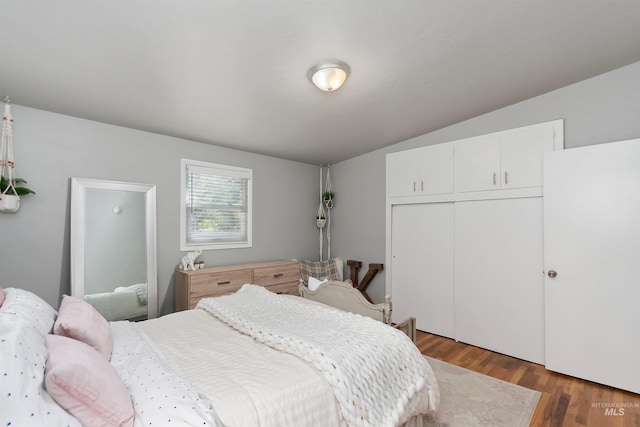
233	72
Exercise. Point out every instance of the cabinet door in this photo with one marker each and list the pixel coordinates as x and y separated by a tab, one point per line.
435	169
521	156
499	286
422	266
478	164
402	170
422	171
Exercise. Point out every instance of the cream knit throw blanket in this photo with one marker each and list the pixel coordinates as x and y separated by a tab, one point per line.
374	370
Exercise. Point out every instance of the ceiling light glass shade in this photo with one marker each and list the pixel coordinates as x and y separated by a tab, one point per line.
329	76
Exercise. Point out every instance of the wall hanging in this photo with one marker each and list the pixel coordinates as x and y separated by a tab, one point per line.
324	217
321	219
10	192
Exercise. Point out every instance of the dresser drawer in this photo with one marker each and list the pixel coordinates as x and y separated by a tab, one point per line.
276	274
290	288
216	284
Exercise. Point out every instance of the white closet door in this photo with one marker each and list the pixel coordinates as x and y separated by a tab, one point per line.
592	242
422	266
499	276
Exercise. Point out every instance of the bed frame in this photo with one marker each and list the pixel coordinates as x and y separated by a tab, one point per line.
345	297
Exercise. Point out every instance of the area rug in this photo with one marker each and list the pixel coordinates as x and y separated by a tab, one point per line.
470	399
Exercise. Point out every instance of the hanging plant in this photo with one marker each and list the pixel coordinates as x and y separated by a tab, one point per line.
22	191
10	191
327	198
320	218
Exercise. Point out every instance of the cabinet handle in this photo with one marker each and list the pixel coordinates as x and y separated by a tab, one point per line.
278	275
414	186
506	177
494	178
224	283
421	185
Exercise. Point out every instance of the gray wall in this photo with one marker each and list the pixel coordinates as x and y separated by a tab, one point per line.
50	148
602	109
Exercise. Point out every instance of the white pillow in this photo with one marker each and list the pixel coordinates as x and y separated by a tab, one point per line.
314	283
20	304
24	400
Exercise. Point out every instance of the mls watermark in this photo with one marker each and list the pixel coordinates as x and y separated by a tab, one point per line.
614	409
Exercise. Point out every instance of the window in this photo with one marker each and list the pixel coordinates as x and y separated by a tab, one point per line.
215	211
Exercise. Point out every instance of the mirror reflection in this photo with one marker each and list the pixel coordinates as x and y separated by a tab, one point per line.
113	247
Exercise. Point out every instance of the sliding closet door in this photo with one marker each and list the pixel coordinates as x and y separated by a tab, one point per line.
592	256
422	265
499	276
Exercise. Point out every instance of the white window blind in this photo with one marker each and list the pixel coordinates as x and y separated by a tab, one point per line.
217	206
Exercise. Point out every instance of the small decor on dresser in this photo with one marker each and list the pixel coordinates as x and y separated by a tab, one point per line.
188	261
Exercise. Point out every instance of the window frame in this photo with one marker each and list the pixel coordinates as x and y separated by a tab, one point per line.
224	170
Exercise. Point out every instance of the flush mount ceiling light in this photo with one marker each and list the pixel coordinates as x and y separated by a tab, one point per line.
328	75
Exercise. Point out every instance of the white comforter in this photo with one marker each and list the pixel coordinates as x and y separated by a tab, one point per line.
160	397
248	383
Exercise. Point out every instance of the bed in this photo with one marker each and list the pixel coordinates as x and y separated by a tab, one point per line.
344	296
125	302
228	362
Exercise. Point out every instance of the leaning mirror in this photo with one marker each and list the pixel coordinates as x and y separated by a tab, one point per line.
113	247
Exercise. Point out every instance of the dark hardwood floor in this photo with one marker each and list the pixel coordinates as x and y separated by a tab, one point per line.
565	401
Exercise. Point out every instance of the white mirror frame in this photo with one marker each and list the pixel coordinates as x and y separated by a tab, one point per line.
78	200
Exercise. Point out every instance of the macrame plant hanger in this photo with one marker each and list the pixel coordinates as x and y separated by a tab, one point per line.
9	198
320	217
328	203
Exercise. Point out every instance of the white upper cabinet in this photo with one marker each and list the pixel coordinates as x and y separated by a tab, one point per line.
506	160
498	165
478	163
521	156
402	173
422	171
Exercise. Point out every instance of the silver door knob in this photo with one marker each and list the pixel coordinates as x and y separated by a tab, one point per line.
552	273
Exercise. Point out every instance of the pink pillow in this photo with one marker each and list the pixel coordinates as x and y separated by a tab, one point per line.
78	319
1	297
85	384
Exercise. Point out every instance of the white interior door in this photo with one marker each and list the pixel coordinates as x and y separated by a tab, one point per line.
499	285
422	266
592	242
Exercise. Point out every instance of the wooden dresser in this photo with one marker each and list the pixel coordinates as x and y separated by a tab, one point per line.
281	277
